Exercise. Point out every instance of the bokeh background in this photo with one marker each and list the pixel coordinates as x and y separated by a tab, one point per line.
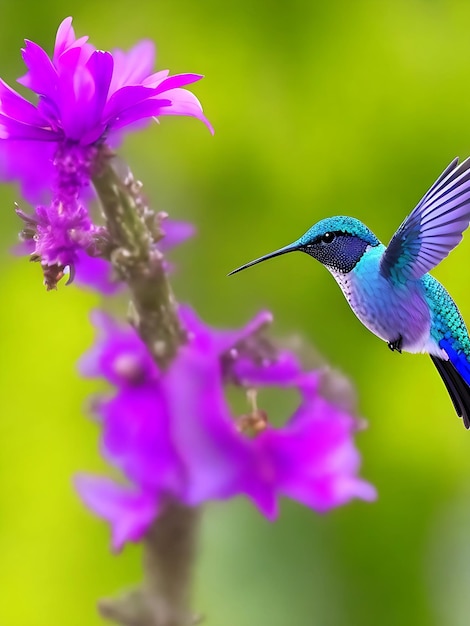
320	108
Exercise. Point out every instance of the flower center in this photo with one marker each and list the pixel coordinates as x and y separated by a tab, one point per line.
256	420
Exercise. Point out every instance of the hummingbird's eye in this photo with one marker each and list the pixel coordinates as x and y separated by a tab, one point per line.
328	237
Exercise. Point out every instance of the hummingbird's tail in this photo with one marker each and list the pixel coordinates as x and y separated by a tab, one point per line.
455	373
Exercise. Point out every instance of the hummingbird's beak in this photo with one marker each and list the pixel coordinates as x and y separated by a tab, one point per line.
290	248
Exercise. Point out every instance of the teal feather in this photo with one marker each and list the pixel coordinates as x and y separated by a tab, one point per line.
339	224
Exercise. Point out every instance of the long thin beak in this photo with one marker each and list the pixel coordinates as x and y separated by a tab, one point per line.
290	248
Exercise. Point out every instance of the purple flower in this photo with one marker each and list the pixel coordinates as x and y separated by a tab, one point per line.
56	235
119	355
86	100
61	234
96	274
84	96
173	435
175	233
129	512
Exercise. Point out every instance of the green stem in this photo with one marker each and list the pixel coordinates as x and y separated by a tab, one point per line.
169	554
170	544
137	261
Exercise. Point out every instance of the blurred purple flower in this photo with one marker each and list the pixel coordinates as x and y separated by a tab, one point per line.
96	274
175	233
119	355
173	435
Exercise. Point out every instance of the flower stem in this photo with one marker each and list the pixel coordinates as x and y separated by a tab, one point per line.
170	545
169	554
139	263
168	564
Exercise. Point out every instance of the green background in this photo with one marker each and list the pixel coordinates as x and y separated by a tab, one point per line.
320	108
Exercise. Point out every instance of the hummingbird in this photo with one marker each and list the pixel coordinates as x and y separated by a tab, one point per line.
389	287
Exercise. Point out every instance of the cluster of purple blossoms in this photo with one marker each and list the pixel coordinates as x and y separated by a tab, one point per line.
86	100
173	435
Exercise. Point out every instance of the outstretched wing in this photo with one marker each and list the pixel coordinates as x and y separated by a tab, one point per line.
433	228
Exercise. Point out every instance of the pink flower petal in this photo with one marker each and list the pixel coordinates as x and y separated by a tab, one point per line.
129	512
132	67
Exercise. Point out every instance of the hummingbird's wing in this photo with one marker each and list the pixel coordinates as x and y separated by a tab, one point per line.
433	228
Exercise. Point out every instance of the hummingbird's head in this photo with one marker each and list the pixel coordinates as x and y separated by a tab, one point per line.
337	242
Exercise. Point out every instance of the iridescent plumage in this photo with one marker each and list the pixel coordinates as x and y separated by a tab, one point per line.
389	289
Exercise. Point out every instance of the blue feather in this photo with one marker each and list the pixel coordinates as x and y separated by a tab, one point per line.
457	357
